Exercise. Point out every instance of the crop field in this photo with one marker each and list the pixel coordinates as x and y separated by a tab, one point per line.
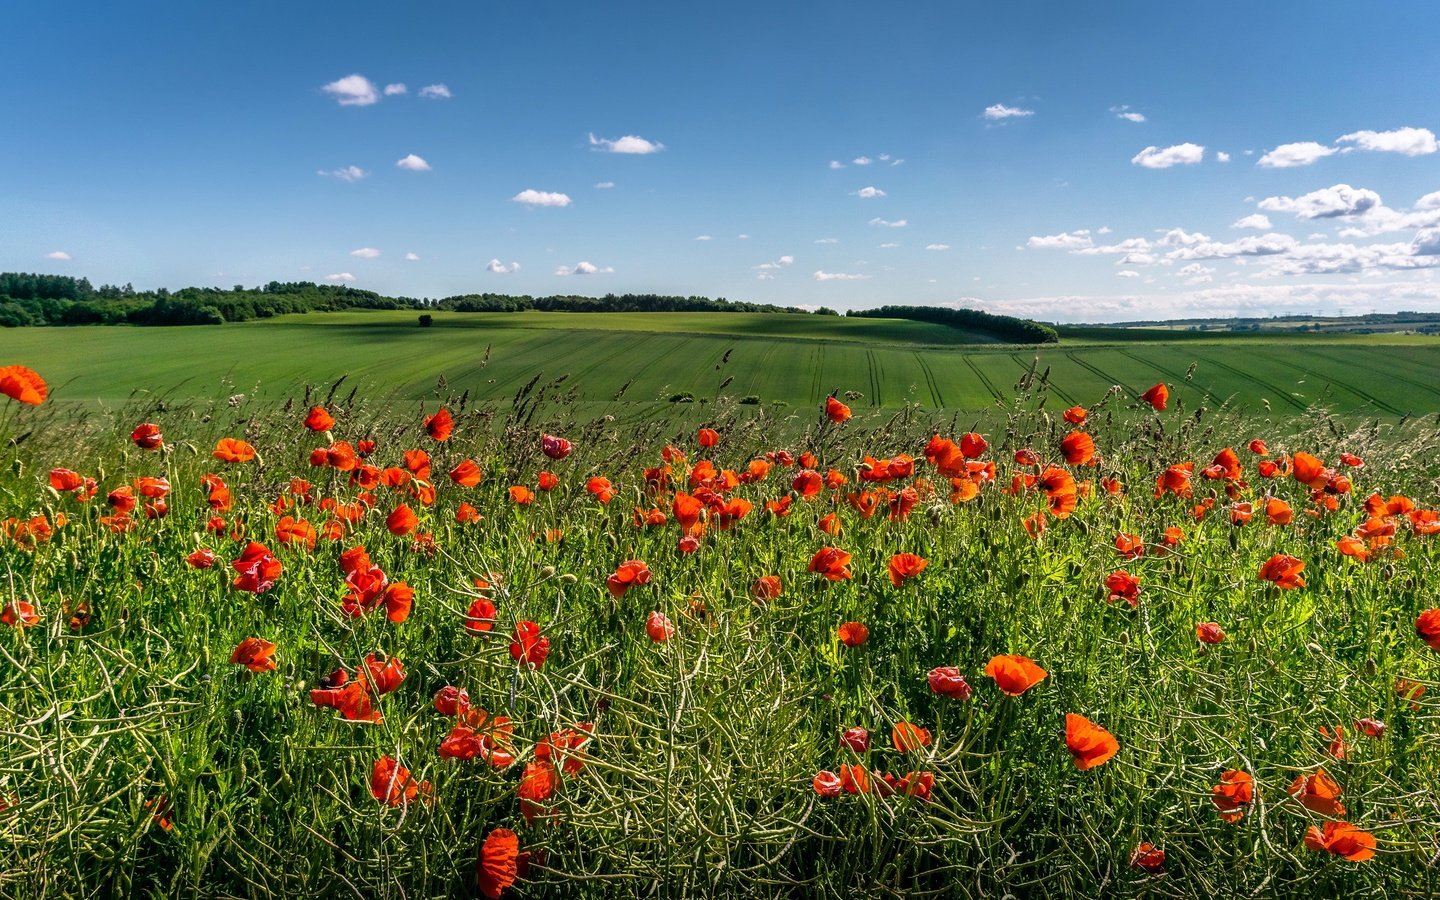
357	648
646	359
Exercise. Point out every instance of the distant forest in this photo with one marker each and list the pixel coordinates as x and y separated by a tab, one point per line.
56	300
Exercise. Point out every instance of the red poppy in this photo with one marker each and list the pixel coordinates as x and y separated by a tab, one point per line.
766	588
603	490
838	412
521	495
1310	470
440	425
904	566
147	436
707	437
1076	415
1336	738
391	783
856	739
854	779
831	562
1089	744
466	474
537	784
659	627
907	737
1157	396
258	569
852	634
1371	727
480	617
630	573
1147	856
386	673
555	447
1352	460
1129	546
1209	633
808	483
1014	674
947	681
528	646
255	654
1078	448
826	784
1318	793
451	700
1427	628
1233	795
1341	839
1123	586
122	500
233	450
1410	690
23	385
19	613
402	520
1284	571
319	419
497	867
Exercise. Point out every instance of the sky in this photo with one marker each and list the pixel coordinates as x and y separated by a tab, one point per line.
1067	162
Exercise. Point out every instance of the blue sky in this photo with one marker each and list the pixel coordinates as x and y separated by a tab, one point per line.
1069	162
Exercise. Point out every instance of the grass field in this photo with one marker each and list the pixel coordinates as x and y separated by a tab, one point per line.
797	360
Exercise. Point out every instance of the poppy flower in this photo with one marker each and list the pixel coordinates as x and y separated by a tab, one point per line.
480	617
1209	633
1309	470
122	500
23	385
497	868
1129	546
630	573
1284	571
351	697
440	425
831	562
1147	856
555	447
1014	674
451	700
854	779
233	450
19	613
1410	690
908	737
162	810
258	569
852	634
947	681
1318	793
401	521
528	646
391	783
1352	460
147	436
521	495
766	588
856	738
808	483
829	523
255	654
826	784
319	419
1076	415
537	784
1337	740
1078	448
603	490
1233	795
1341	839
152	486
1371	727
1088	743
1123	586
1157	396
659	627
837	412
904	566
386	673
707	437
1427	628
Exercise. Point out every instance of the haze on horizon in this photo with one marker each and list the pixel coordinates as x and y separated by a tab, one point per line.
1100	163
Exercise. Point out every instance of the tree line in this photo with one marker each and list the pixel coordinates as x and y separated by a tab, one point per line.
1006	328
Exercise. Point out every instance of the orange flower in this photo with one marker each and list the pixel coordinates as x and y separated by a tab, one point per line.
258	569
23	385
1076	415
659	627
1123	586
808	483
401	521
1371	727
1258	448
147	436
255	654
233	450
1317	793
1157	396
1284	571
466	474
909	738
838	412
826	784
19	613
1060	490
852	634
831	562
1209	633
528	646
1278	511
1310	470
440	425
603	490
1147	856
1427	628
854	779
1129	546
537	784
497	867
707	437
630	573
319	419
391	783
766	588
1014	674
905	565
1233	795
1078	448
521	495
290	531
1089	744
480	617
1341	839
1336	739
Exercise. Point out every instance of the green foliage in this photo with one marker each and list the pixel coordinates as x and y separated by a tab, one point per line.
1005	328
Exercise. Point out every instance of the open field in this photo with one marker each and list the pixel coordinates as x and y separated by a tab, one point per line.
797	360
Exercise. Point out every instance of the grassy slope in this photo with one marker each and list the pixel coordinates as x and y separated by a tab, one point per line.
795	359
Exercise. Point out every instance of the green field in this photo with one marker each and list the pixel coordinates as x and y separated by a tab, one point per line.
795	359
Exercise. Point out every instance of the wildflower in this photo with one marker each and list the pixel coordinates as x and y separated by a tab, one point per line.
480	617
233	450
659	627
496	869
440	425
707	437
258	569
1076	415
1427	628
1123	586
1209	633
1089	744
528	646
1014	674
319	419
853	634
908	738
766	588
147	436
521	495
1371	727
856	738
838	412
391	783
904	566
947	681
1284	571
1318	793
23	385
555	447
1341	839
826	784
19	613
255	654
385	673
451	700
537	784
1078	448
831	562
630	573
1147	856
854	779
1157	396
1233	795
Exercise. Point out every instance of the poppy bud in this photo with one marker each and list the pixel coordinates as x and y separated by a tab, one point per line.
567	578
547	572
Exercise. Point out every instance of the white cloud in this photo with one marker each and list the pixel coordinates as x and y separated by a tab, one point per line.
1103	229
898	223
1288	156
828	241
396	89
413	163
500	268
583	268
59	256
1222	156
365	253
836	164
869	193
1429	201
339	277
838	276
1326	203
862	160
896	162
1405	141
1128	114
999	112
1258	221
628	144
412	257
1197	274
435	92
1069	241
937	246
353	90
703	237
1254	245
541	198
604	185
1178	155
742	237
1426	243
1127	273
889	245
349	173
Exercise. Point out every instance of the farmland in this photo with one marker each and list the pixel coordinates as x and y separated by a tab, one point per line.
794	360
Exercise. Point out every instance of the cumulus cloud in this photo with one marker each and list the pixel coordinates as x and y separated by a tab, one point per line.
937	246
365	253
885	223
583	268
1072	240
58	256
1000	112
604	185
1426	243
412	257
862	160
828	241
396	89
349	173
630	143
1128	114
1258	221
1178	155
500	268
531	197
1127	273
836	164
1288	156
353	90
1255	245
435	92
1222	156
1327	203
339	277
1429	201
869	192
1405	141
766	271
413	163
838	276
1195	274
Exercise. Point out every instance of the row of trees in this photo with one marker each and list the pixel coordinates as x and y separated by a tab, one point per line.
1006	328
607	303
